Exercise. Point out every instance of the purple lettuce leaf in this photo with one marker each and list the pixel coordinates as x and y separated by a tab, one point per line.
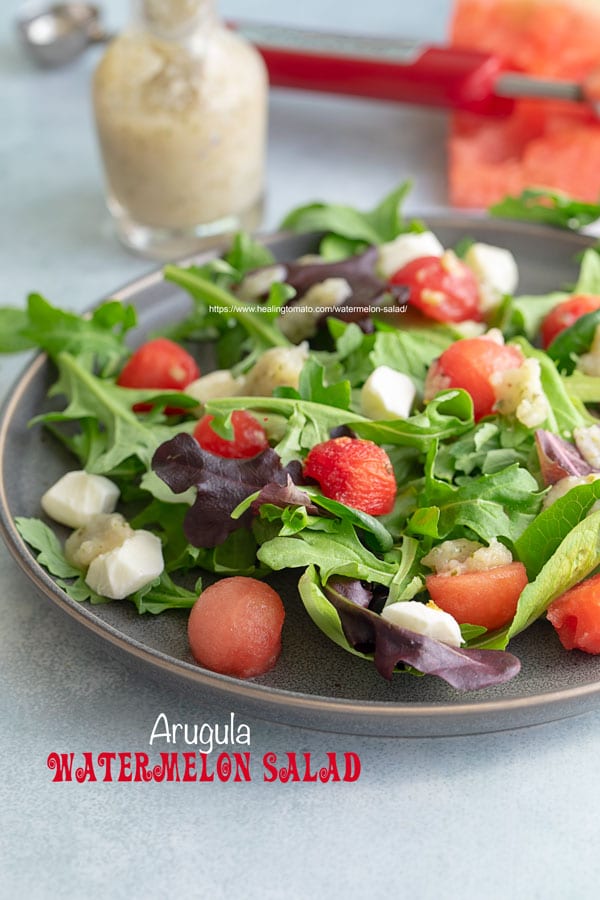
558	458
465	670
221	485
351	588
283	495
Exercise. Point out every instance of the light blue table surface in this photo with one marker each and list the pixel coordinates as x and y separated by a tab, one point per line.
509	815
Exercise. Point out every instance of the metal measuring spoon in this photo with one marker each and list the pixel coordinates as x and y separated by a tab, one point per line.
57	34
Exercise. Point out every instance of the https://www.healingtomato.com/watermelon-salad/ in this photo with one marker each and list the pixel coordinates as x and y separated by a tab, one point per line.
388	419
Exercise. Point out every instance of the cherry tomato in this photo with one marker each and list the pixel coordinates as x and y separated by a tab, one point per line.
441	287
566	314
249	437
160	364
469	364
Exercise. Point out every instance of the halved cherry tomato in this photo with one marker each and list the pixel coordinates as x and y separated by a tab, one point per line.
442	287
487	598
576	616
469	364
160	364
249	437
566	314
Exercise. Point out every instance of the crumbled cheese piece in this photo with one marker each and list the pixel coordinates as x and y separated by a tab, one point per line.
424	619
587	441
564	485
299	321
387	394
495	335
78	496
100	534
277	366
403	249
589	363
128	567
215	385
435	381
496	271
459	556
257	284
519	392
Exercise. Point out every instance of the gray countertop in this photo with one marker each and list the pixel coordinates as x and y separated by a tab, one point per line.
511	814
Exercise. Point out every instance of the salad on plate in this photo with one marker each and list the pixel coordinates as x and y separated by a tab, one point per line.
388	418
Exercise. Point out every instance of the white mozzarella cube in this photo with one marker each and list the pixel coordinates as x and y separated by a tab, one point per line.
78	496
127	568
424	619
496	270
387	394
403	249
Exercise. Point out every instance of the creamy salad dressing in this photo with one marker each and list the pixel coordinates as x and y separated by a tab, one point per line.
180	105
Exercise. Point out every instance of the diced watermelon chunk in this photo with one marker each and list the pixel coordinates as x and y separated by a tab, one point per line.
541	144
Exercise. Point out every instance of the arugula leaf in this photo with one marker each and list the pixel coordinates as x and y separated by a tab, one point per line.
100	400
312	386
448	415
50	553
246	254
383	223
97	339
337	551
257	325
548	208
499	505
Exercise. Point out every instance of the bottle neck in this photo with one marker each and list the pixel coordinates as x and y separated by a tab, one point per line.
175	20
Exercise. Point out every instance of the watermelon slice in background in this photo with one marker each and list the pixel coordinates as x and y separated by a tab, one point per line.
541	144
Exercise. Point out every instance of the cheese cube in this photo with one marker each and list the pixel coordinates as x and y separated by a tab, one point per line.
127	568
387	394
406	247
424	619
78	496
496	270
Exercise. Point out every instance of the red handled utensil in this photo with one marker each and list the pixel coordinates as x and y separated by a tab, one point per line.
402	71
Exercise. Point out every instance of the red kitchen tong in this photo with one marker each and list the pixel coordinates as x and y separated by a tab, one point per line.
399	70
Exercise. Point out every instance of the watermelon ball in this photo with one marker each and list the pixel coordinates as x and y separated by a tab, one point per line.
235	626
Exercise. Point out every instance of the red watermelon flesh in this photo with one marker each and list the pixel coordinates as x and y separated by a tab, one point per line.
541	144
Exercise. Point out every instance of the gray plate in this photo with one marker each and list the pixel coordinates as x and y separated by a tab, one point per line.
315	684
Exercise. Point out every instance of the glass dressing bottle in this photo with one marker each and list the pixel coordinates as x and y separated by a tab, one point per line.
180	103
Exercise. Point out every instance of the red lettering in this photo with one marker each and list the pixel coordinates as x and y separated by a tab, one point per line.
124	767
205	775
242	766
86	772
330	772
168	769
189	773
269	764
62	763
308	775
352	767
105	761
141	767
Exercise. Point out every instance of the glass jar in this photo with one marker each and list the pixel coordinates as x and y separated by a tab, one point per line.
180	103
